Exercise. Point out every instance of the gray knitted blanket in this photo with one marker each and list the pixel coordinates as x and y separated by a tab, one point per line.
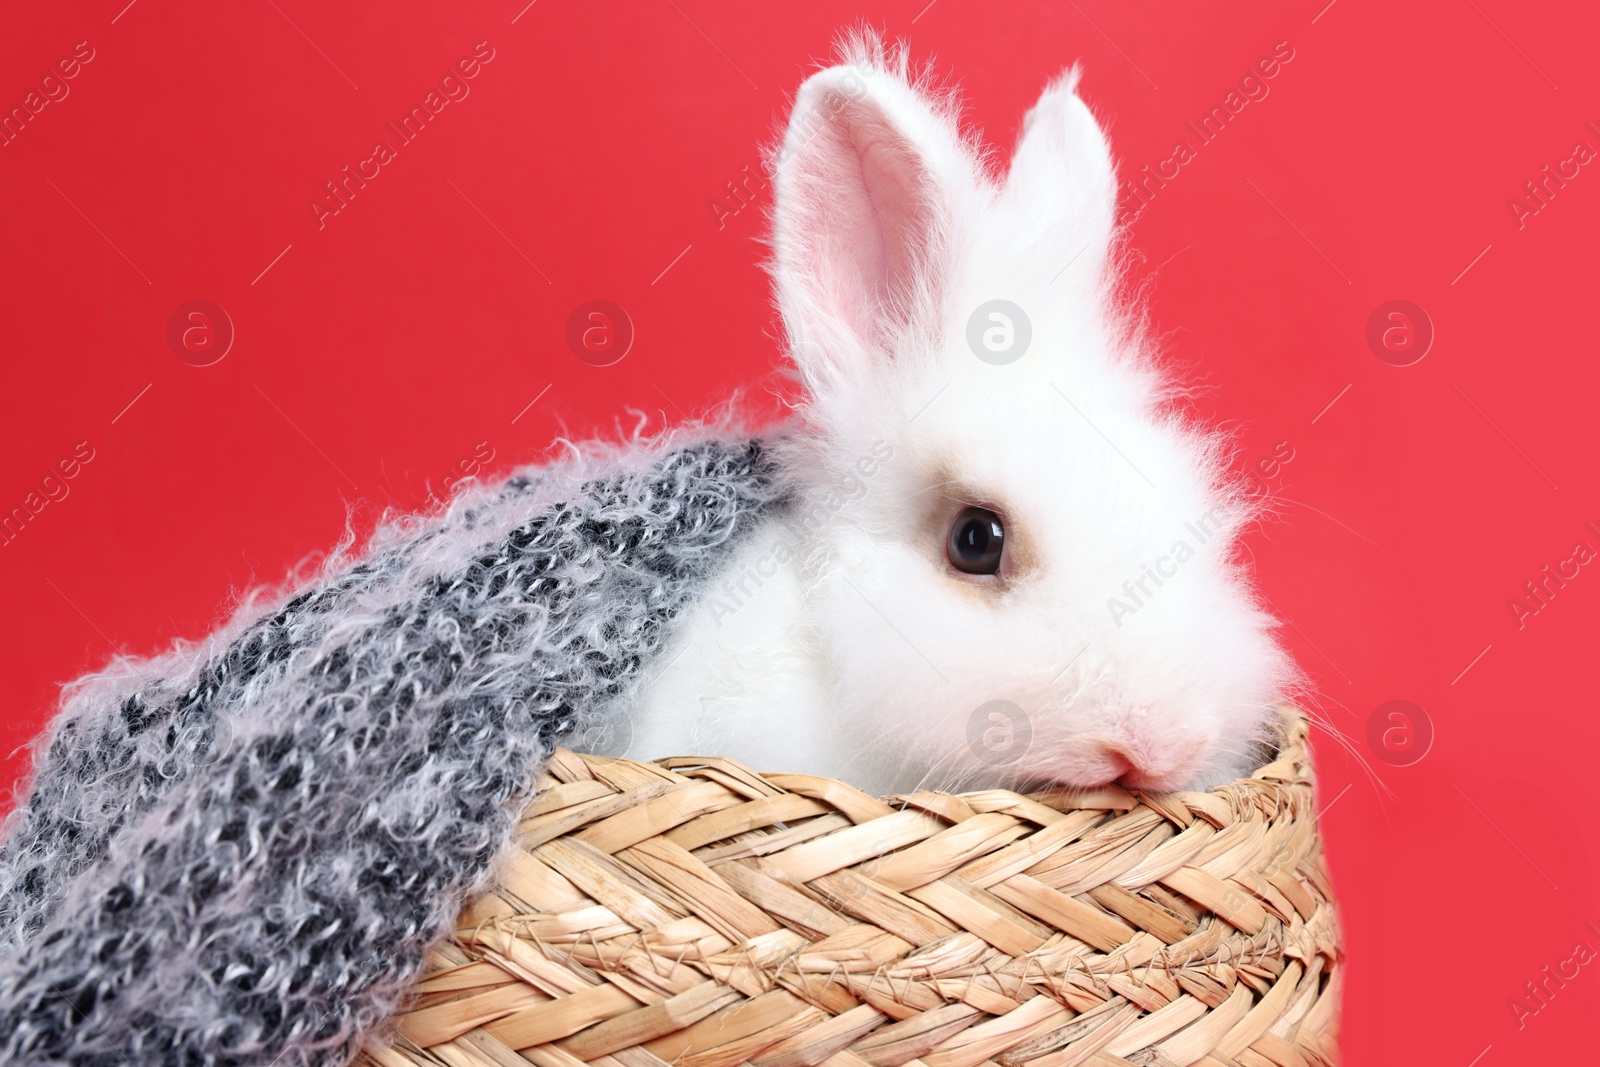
238	853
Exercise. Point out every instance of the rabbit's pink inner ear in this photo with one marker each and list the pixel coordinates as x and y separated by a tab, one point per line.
888	227
861	215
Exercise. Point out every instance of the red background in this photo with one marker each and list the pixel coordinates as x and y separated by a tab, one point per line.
375	355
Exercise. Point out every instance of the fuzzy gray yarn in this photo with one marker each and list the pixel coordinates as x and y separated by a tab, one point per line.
239	853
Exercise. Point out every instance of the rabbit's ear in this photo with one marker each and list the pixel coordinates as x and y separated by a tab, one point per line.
865	180
1062	180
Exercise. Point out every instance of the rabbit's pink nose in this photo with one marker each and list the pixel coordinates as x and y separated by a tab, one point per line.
1116	760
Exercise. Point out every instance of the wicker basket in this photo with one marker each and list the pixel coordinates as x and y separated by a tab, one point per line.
692	912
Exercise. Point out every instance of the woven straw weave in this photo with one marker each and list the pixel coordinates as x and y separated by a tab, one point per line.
692	912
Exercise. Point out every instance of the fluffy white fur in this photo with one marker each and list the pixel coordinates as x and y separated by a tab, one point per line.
859	652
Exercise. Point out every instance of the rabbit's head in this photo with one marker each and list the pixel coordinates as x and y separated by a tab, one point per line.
1023	562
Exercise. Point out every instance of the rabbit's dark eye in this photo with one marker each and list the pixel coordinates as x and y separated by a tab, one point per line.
977	537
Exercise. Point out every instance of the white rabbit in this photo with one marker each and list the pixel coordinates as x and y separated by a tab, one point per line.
985	553
1008	558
